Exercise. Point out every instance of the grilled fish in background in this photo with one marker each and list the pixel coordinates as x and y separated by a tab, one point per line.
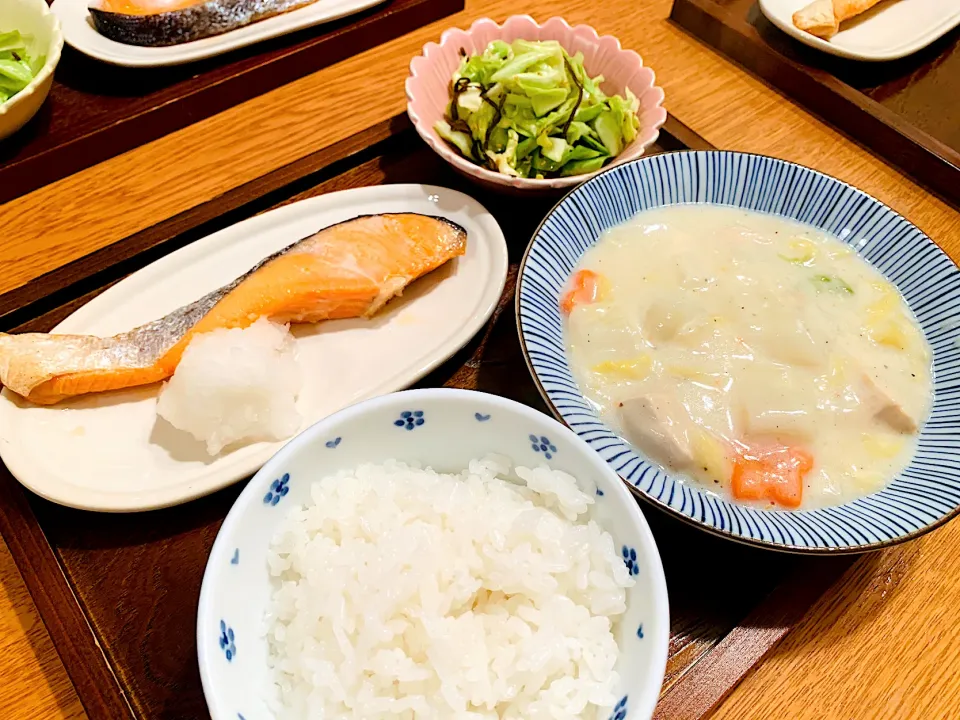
160	23
347	270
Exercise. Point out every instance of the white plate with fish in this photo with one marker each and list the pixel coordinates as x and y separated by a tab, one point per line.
887	30
114	453
152	33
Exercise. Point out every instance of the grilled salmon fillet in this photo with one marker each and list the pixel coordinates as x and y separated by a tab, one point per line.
347	270
161	23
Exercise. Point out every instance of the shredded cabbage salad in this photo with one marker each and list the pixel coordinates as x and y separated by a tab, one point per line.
17	67
529	109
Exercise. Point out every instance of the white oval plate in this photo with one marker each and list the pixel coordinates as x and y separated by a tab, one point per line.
890	30
110	452
79	32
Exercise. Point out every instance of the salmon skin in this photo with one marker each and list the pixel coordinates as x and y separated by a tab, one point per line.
348	270
161	23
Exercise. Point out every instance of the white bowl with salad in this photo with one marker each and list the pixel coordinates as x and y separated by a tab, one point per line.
523	106
30	46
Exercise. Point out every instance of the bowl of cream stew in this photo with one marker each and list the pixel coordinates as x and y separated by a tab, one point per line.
752	345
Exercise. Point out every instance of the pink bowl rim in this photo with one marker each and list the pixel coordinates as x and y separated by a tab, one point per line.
489	176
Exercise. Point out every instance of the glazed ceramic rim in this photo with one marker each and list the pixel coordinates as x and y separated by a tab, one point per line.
320	430
53	57
482	173
917	42
252	238
673	512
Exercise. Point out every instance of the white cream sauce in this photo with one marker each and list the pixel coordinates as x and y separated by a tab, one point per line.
717	331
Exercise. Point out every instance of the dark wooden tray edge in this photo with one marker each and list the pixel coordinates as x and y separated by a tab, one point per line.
59	609
694	695
68	281
75	640
701	689
349	36
864	121
74	279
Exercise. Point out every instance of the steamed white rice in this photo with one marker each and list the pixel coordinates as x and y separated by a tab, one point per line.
400	592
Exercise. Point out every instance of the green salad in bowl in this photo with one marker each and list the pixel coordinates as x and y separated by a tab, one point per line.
529	109
18	63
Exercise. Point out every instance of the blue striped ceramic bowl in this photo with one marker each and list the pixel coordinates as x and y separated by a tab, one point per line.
922	497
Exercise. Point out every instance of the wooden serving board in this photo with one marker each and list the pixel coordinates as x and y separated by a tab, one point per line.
906	111
96	111
119	593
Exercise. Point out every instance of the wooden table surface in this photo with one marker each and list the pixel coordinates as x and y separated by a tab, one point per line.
884	643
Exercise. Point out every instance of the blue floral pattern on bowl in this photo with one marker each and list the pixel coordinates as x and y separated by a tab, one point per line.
410	419
227	643
237	594
620	710
630	560
543	445
278	489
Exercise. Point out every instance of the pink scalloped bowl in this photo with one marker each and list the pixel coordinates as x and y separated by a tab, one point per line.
428	88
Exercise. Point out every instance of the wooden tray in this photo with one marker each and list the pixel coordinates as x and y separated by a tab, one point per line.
118	593
96	111
906	111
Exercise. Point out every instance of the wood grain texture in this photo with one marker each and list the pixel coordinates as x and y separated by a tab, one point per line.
907	111
96	111
57	603
98	206
183	227
35	686
143	621
849	647
697	692
884	644
94	269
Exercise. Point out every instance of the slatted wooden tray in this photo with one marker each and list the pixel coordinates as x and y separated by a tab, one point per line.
96	111
118	593
906	111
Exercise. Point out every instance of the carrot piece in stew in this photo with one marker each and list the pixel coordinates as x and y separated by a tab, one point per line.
773	473
583	289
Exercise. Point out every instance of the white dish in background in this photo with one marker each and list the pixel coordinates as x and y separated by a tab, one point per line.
889	30
112	452
79	32
30	17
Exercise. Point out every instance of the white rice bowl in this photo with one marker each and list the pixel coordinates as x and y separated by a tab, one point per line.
347	582
401	592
